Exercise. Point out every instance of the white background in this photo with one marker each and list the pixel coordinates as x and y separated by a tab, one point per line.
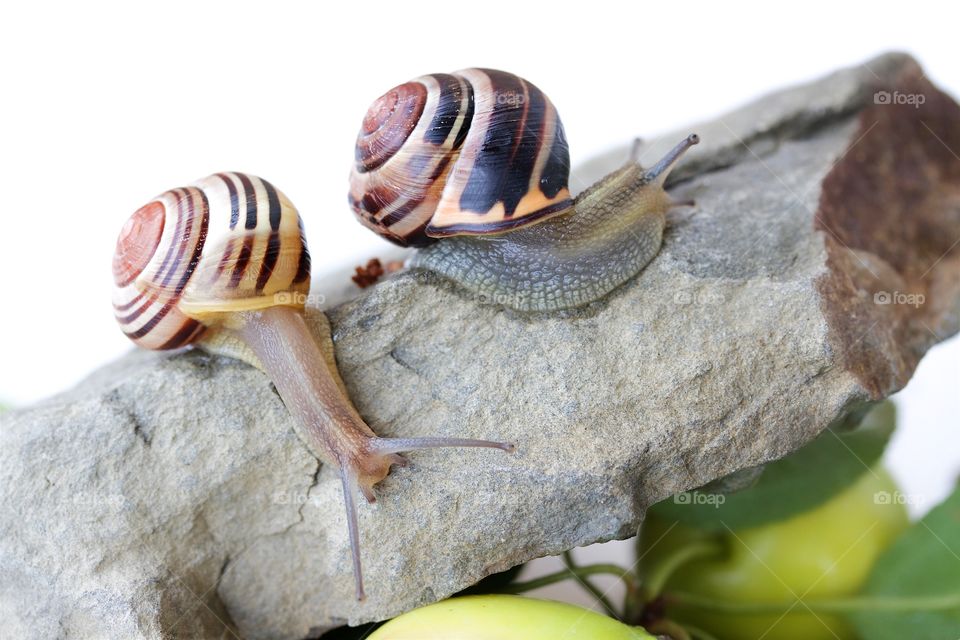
104	105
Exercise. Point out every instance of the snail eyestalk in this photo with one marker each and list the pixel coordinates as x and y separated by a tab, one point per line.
399	445
636	149
660	171
353	527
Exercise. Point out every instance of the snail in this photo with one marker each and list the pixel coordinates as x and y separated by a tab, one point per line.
224	264
472	168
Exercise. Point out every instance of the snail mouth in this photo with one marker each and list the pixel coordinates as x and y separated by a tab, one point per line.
388	123
137	243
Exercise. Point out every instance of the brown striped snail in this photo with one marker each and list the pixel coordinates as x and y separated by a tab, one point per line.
478	160
224	264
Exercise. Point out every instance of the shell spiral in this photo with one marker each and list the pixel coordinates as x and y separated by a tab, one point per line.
475	152
230	242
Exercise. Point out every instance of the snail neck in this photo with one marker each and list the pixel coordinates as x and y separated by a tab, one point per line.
610	234
625	202
309	384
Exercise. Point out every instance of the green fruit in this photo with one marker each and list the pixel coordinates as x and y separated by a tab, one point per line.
503	617
826	552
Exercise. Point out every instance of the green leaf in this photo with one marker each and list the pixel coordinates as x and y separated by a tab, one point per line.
804	479
924	562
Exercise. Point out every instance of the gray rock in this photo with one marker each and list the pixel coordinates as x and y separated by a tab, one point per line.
167	496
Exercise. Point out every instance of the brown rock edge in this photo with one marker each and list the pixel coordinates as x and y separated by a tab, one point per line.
890	210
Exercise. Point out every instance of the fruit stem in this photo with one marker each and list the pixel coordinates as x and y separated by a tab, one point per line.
586	583
566	574
856	604
654	583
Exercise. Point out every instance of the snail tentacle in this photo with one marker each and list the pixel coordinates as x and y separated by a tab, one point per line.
349	479
399	445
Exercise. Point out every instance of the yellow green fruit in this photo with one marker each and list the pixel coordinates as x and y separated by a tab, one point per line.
503	617
826	552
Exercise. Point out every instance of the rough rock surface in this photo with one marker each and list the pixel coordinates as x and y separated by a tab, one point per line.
168	496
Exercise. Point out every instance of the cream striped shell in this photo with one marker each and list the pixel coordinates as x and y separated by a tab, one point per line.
229	242
471	153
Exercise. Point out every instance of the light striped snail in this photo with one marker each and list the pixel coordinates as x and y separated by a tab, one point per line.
478	160
224	264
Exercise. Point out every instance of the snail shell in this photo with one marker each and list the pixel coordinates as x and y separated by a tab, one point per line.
230	242
475	152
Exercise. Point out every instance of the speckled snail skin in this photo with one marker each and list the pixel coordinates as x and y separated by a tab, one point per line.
473	168
224	264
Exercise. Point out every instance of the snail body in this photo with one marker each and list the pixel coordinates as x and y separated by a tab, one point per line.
473	168
224	265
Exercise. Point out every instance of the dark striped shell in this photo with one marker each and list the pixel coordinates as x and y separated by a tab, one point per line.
230	242
470	153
